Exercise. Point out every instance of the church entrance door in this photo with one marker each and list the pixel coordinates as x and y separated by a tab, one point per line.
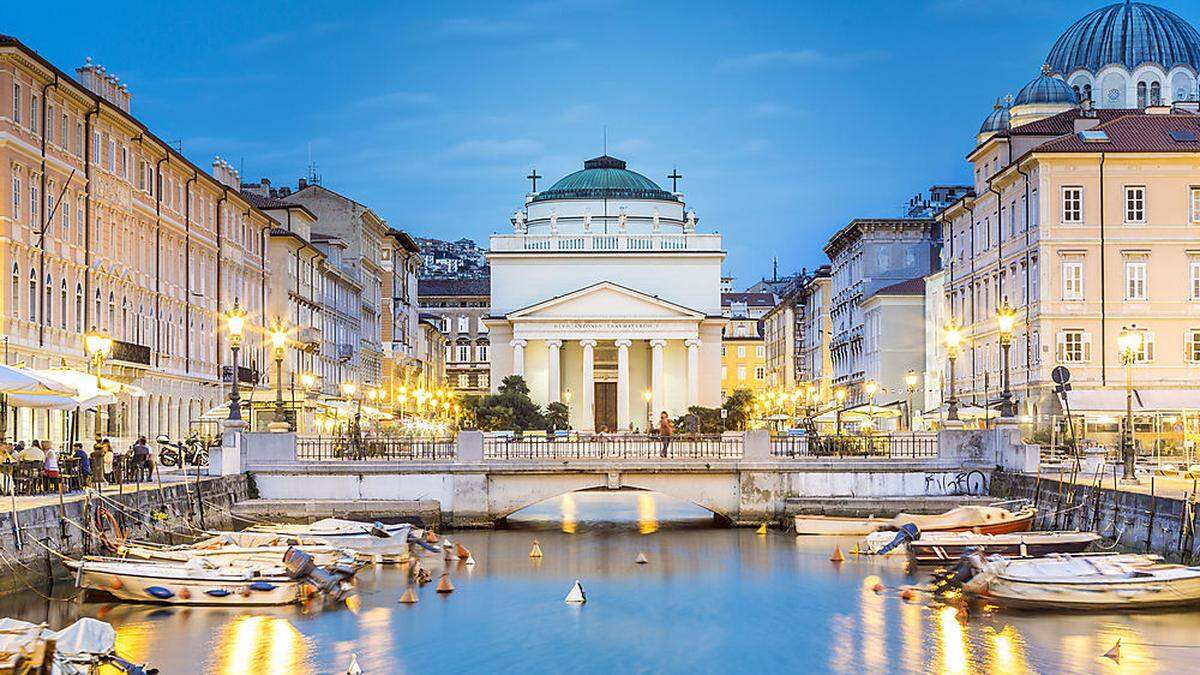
606	406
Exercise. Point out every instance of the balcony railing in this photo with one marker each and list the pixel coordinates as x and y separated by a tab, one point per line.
606	242
892	446
378	448
245	375
623	446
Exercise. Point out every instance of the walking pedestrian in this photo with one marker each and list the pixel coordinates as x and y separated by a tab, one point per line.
664	432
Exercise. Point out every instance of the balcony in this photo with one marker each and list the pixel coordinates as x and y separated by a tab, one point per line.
309	338
513	243
245	375
130	353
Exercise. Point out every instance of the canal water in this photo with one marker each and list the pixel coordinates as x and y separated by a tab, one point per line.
710	600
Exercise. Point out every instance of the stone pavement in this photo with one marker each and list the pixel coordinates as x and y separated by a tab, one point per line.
26	502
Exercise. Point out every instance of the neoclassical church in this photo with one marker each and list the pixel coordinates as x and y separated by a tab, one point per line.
606	298
1125	55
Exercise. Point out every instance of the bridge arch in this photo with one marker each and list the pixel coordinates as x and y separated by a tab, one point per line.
509	493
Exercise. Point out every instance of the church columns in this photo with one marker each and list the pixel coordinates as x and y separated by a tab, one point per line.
623	384
588	423
657	379
553	371
518	362
693	371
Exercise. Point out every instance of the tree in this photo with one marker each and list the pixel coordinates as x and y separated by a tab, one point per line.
510	408
558	417
738	406
708	420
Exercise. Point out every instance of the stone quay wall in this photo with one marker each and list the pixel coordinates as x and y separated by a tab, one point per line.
164	515
1132	521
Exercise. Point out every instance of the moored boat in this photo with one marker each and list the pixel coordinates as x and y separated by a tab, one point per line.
936	548
369	539
837	525
1086	582
981	519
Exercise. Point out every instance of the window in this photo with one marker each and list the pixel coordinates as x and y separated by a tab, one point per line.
760	351
65	206
33	294
1135	204
484	380
724	373
1072	205
16	193
741	373
78	308
464	324
1195	202
35	112
16	103
464	381
481	353
1146	353
1135	280
48	310
760	373
15	300
1074	346
464	353
1192	345
1194	273
741	351
1072	280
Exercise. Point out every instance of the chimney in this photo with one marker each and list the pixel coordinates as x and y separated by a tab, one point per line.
302	184
1158	110
103	84
1086	123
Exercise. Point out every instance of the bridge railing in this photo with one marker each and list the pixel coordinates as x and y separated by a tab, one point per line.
624	446
379	448
897	446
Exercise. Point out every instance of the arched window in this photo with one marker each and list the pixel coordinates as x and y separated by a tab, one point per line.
1141	94
137	336
62	304
65	206
125	318
1155	93
15	300
33	295
1078	94
99	310
48	310
112	312
78	308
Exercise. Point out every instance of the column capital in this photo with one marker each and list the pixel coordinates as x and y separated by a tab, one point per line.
623	343
587	343
658	343
692	342
554	343
518	343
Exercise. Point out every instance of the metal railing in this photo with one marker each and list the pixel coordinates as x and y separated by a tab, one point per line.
899	446
624	446
378	448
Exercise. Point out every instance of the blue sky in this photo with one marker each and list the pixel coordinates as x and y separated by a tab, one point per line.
786	119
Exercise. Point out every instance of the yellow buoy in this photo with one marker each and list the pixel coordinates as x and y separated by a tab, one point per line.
536	551
837	556
1115	652
762	529
409	598
444	585
854	550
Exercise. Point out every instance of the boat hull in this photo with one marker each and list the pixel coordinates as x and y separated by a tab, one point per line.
145	586
833	525
1097	596
944	550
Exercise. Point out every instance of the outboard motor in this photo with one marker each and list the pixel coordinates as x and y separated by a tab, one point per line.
299	563
378	530
908	532
970	564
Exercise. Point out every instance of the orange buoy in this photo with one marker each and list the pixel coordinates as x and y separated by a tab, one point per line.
409	598
245	591
962	614
185	594
854	550
907	594
431	537
536	551
444	585
462	552
1114	653
878	588
116	584
837	556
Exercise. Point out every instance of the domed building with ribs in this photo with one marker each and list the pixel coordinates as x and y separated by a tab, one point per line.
606	298
1124	55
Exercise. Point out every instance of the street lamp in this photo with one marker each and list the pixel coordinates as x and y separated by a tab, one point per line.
307	380
871	387
910	383
1131	342
840	395
279	343
98	346
953	340
235	321
1005	320
648	396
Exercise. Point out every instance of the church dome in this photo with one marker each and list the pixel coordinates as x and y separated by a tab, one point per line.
1045	89
605	177
1128	34
997	121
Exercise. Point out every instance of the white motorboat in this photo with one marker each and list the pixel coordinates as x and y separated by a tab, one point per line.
80	648
946	547
369	539
983	519
1086	581
323	556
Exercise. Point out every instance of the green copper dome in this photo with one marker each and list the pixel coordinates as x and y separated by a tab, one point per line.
604	178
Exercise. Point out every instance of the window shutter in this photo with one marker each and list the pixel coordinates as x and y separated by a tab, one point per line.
1060	347
1087	347
1149	341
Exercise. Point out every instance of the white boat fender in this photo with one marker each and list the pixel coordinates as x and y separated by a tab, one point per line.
354	668
576	596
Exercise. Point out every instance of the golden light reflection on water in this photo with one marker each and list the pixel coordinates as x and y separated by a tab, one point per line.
569	513
1008	652
952	641
261	644
841	656
874	626
912	631
133	641
647	513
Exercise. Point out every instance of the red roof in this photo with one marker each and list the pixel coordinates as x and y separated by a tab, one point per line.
1136	132
1064	122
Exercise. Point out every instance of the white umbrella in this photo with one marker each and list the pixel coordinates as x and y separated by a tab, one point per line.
60	402
17	380
85	383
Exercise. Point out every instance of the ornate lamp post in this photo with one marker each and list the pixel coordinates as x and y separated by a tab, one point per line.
98	346
871	387
953	340
1005	320
279	344
235	321
648	396
840	395
1131	342
910	384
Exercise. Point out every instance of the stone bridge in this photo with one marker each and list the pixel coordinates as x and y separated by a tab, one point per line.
474	488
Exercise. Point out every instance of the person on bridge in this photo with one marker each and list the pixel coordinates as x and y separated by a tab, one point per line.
664	432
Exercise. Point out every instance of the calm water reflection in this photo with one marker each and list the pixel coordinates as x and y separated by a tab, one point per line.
710	600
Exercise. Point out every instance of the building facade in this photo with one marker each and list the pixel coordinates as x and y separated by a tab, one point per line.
894	343
816	360
743	356
405	366
865	256
458	308
605	292
108	227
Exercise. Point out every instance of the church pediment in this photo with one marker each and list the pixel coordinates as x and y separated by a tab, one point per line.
606	300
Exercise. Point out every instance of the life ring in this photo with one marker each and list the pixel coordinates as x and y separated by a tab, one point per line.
102	517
